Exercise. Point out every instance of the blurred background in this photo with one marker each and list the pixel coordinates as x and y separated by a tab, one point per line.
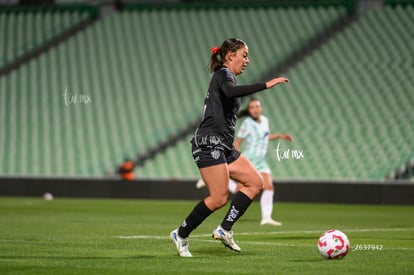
88	85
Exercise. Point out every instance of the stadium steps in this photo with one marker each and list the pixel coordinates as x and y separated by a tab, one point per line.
352	115
89	140
354	99
306	49
29	31
131	65
316	19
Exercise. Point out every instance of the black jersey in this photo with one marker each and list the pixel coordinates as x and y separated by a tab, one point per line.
221	106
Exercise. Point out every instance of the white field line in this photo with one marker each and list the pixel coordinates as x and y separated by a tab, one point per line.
260	243
273	233
196	236
206	241
303	245
314	231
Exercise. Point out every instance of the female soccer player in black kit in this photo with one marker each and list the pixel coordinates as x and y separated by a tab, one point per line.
213	149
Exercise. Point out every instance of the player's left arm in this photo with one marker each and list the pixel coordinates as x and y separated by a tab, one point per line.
281	136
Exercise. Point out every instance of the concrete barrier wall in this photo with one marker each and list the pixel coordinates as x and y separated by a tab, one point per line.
390	192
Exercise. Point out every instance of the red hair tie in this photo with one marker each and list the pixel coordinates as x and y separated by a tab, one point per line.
215	50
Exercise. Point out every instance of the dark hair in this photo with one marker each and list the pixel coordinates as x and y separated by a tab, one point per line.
245	112
229	45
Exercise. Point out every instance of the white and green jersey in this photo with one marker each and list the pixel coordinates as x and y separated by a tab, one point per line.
256	137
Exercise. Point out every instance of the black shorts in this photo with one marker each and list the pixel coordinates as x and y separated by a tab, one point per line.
209	154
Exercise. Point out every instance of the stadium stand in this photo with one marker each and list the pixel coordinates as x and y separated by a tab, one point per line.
25	28
130	80
263	57
175	163
134	79
348	106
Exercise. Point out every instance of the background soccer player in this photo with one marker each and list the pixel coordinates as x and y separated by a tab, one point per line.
254	132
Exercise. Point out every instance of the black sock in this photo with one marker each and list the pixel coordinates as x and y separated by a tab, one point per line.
196	217
237	208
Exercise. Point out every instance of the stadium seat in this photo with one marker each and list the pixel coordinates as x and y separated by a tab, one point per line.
145	72
23	29
354	100
276	34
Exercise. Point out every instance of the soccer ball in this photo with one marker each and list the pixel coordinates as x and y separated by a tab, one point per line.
333	244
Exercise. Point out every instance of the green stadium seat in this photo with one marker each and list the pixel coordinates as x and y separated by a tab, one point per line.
145	73
22	30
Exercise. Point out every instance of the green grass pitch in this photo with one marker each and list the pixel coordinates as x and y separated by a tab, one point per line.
99	236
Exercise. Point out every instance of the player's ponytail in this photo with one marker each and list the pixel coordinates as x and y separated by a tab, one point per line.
243	113
218	54
216	59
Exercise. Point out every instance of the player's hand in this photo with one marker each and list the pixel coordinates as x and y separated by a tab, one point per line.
287	137
275	81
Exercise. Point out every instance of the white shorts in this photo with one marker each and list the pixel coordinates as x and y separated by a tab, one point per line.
260	164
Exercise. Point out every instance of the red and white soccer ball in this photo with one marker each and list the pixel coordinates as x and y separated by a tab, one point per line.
333	244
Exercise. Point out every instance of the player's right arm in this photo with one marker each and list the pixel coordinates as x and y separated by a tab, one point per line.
237	143
241	135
